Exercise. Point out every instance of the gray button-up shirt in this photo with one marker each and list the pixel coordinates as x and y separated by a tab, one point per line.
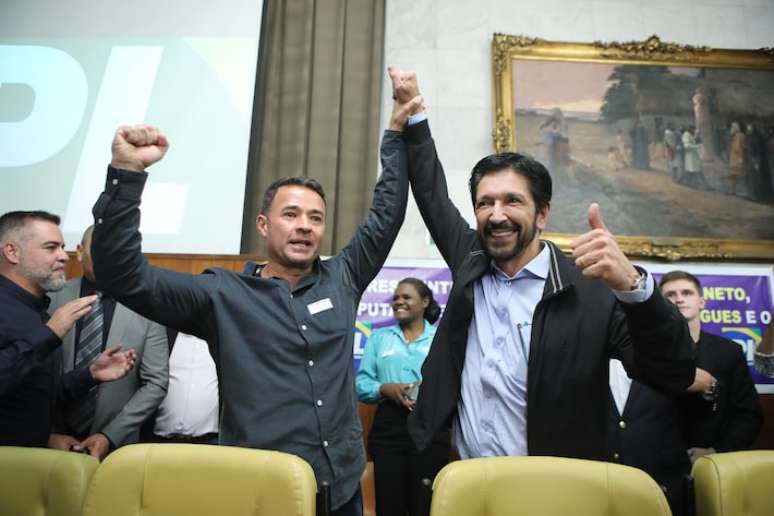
284	356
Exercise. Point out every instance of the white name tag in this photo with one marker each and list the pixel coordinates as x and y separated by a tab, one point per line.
320	306
388	353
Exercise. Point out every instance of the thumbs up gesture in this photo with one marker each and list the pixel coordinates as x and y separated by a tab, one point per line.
597	255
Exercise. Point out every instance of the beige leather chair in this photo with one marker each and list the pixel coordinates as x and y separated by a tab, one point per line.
200	480
545	486
41	482
735	484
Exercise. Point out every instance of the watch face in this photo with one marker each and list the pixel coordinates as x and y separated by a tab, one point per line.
639	283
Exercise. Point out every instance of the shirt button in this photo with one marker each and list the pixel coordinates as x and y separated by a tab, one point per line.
311	363
303	327
622	423
99	221
115	181
325	443
319	403
616	456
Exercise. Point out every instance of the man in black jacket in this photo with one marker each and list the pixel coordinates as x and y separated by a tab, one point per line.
524	326
644	432
729	419
32	262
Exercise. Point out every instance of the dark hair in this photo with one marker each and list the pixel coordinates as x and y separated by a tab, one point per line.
306	182
680	275
15	220
529	168
433	310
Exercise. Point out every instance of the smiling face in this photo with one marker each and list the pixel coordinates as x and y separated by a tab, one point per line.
407	305
41	256
506	217
294	226
684	294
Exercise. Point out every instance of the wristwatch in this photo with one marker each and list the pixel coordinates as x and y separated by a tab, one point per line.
638	283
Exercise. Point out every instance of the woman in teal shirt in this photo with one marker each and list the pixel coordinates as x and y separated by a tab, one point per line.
390	373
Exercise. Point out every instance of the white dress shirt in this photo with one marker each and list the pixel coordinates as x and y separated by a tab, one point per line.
620	384
191	405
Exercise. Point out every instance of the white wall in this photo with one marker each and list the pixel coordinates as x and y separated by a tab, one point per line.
448	43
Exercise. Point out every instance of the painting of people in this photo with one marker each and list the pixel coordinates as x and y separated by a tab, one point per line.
669	150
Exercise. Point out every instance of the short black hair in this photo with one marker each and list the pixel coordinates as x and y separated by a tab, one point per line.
532	170
306	182
16	220
433	309
680	275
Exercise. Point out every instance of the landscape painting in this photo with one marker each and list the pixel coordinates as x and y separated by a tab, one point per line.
675	144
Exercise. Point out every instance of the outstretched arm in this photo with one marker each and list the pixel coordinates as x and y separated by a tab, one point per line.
174	299
449	229
365	254
18	356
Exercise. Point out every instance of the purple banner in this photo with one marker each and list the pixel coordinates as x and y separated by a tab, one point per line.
738	306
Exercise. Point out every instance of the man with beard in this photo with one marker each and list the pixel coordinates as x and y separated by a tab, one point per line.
526	330
32	262
282	333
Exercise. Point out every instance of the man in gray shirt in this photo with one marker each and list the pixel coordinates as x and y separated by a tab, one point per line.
282	336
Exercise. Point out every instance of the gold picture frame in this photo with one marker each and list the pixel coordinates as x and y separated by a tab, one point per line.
528	71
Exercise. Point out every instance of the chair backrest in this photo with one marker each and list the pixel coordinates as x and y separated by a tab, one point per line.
41	482
196	479
549	486
735	484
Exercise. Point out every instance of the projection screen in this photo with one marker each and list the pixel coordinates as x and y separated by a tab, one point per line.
72	72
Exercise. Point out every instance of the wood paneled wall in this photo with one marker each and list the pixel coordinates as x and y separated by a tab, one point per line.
193	263
196	263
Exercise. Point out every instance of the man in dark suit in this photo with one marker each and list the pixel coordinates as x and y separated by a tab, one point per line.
731	417
110	415
644	432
